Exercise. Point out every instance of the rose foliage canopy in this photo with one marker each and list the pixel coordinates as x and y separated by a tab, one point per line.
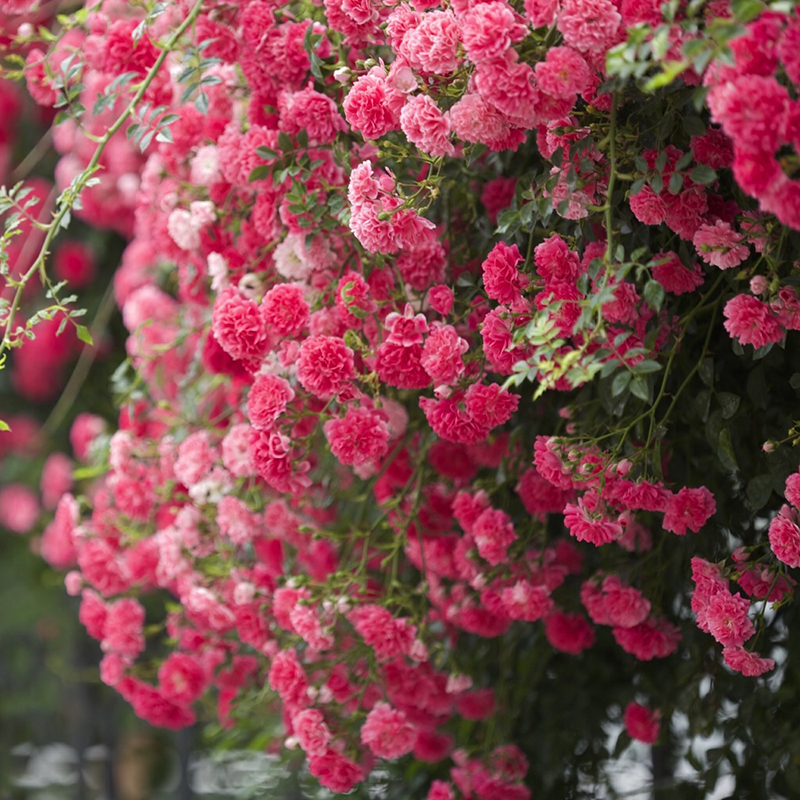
459	421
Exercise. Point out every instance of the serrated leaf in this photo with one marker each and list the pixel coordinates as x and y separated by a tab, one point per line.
640	389
647	367
657	184
675	183
692	126
83	334
146	140
285	142
620	383
729	403
670	71
703	174
654	294
706	371
201	103
703	404
725	450
759	490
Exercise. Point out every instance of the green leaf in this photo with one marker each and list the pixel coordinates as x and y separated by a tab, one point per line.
729	402
82	473
675	183
620	383
657	184
654	294
647	367
259	173
640	389
703	174
4	426
285	142
707	371
201	103
725	450
83	334
746	10
670	71
692	126
759	490
703	403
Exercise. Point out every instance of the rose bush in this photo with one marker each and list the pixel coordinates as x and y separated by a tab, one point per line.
457	417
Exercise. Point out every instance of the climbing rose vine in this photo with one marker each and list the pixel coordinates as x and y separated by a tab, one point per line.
457	419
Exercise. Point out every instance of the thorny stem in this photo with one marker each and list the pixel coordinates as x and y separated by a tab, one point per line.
85	361
612	174
70	195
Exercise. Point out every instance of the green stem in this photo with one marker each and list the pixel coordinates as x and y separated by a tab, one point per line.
81	371
70	195
612	175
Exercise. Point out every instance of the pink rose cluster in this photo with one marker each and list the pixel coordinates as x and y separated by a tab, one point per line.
330	475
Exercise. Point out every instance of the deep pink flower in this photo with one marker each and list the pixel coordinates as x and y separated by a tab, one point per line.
387	732
727	619
747	109
489	29
689	509
570	633
489	405
311	731
440	791
325	364
671	273
401	366
238	326
122	629
750	321
360	437
587	526
387	636
501	278
793	489
269	396
493	532
425	126
441	299
784	536
19	507
335	771
713	148
749	664
653	638
563	74
371	106
288	679
555	261
285	310
719	244
525	601
181	678
431	46
624	606
589	26
648	207
442	355
642	723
